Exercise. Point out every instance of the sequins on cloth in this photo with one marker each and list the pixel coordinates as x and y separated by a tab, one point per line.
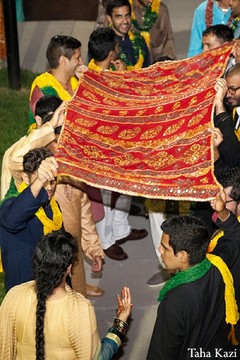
145	132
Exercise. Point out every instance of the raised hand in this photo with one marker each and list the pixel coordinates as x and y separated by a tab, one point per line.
124	304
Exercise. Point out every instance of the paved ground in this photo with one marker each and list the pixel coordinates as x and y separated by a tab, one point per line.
142	262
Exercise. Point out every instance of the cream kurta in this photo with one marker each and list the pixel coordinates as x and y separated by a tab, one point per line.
12	162
70	326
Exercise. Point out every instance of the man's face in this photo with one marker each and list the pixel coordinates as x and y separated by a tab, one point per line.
210	42
145	2
170	260
233	94
235	5
49	187
74	62
231	204
120	20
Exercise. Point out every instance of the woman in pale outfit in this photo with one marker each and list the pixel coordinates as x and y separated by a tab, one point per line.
46	319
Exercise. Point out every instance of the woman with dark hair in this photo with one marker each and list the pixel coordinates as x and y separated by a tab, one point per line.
46	319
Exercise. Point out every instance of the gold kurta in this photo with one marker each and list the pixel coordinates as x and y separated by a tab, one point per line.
70	326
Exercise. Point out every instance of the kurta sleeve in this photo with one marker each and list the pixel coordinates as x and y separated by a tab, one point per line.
90	242
37	138
17	211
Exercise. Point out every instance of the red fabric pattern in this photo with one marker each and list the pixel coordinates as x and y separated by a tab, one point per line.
145	132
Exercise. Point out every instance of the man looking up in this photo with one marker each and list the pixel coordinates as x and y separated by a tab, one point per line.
27	217
227	119
133	48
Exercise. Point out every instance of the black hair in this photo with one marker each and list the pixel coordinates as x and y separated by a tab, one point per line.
45	105
221	31
53	255
187	233
61	45
233	71
231	178
112	4
101	42
32	160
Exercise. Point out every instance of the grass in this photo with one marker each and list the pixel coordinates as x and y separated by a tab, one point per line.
14	116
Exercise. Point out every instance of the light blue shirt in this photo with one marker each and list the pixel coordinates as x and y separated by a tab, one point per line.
199	25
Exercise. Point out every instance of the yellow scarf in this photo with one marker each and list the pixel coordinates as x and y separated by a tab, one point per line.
154	8
93	66
1	267
48	224
232	314
237	131
46	80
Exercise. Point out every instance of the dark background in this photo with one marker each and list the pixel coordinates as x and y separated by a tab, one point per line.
60	10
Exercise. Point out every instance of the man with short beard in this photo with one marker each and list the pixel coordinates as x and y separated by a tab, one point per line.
227	117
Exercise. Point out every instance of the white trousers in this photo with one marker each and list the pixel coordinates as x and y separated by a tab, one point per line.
156	219
114	225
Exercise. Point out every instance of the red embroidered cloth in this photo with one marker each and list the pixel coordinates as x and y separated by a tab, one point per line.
145	132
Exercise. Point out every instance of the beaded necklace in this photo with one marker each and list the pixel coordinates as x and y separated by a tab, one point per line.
138	49
234	24
148	19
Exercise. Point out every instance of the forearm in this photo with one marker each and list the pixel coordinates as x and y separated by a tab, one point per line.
15	212
90	242
36	138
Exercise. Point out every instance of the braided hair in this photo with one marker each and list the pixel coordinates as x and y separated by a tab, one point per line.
53	254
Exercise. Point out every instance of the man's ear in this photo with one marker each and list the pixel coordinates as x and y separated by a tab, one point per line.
38	120
63	60
183	256
109	19
111	55
238	209
25	178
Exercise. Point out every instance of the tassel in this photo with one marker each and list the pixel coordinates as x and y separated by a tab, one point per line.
232	336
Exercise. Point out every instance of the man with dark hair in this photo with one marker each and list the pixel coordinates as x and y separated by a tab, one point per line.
114	229
64	58
215	36
151	19
103	49
47	126
227	119
194	305
206	14
25	218
133	48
